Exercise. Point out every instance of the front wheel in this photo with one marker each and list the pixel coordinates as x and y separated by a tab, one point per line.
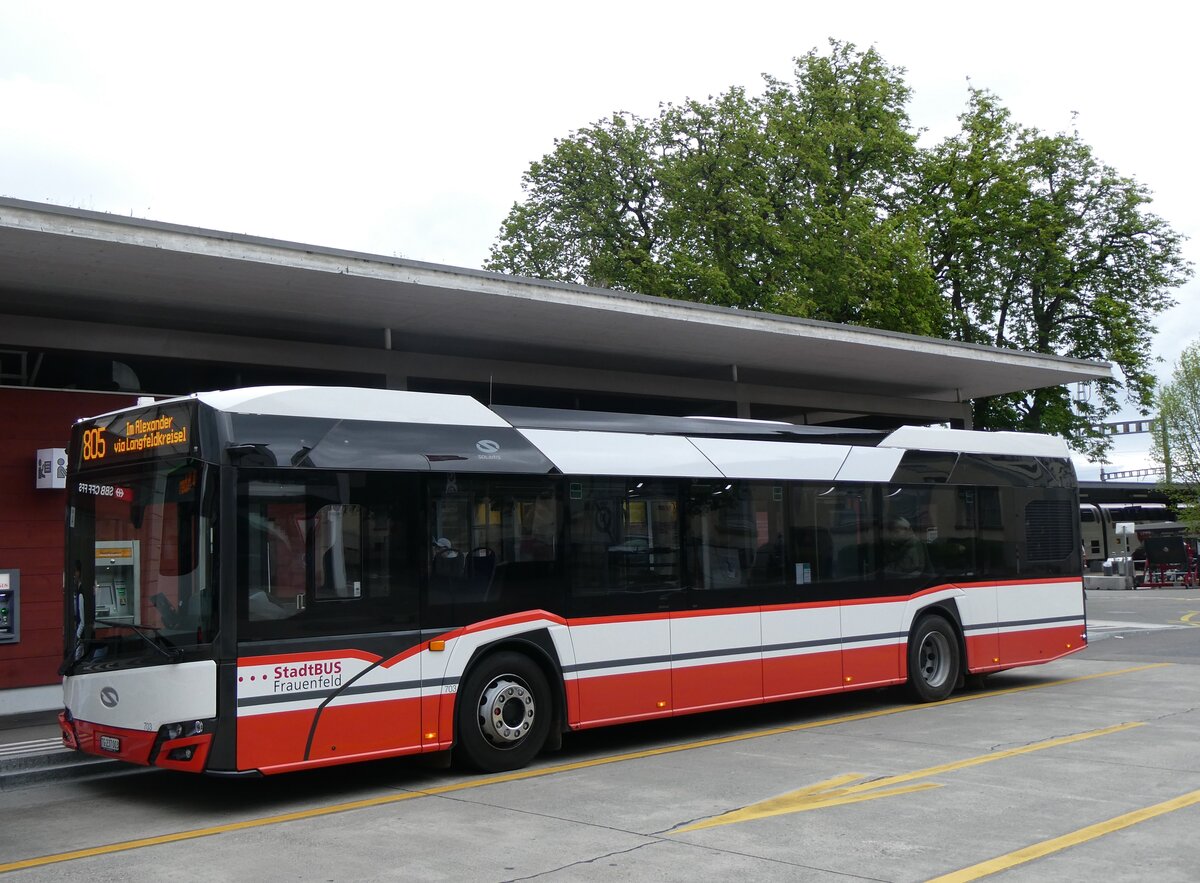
504	712
933	660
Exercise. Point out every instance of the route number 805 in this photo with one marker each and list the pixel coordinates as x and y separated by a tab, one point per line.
94	444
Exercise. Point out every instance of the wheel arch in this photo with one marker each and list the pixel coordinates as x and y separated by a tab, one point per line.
538	645
947	609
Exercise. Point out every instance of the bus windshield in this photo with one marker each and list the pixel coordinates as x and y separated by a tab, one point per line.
139	564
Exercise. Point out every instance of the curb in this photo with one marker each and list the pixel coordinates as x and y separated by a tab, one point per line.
59	764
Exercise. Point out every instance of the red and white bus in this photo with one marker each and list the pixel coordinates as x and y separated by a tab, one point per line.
280	578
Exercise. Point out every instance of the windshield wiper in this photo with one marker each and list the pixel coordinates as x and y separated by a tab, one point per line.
173	654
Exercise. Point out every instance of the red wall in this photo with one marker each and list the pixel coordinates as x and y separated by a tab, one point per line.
31	523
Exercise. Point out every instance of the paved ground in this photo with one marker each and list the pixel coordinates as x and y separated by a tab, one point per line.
29	733
1086	768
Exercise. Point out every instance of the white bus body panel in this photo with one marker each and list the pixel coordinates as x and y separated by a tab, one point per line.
1030	606
612	453
349	403
870	464
784	461
146	698
923	438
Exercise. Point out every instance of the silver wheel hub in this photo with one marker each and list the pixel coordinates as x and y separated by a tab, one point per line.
506	710
934	659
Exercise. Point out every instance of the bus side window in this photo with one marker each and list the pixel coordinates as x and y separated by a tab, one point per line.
271	555
814	553
324	556
995	552
337	546
833	535
623	537
735	535
493	545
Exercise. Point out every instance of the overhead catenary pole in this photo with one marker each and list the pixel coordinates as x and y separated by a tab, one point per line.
1138	427
1166	448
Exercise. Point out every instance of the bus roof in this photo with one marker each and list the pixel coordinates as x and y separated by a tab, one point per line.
459	433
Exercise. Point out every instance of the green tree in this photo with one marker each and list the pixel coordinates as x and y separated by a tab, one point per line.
813	199
1039	246
1178	441
784	202
592	215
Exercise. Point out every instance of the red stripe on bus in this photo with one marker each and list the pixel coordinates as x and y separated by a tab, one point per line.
804	605
437	720
135	745
612	620
713	611
313	656
720	685
1043	581
873	666
367	727
1040	645
512	619
983	652
405	654
199	746
498	622
619	698
802	674
274	738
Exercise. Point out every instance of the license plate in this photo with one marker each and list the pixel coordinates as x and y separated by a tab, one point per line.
110	743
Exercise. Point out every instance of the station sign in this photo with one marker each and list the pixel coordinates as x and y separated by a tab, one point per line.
51	468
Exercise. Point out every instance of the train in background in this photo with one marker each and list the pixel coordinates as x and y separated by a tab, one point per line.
1098	528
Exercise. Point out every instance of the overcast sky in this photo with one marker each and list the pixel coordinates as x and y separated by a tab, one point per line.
405	131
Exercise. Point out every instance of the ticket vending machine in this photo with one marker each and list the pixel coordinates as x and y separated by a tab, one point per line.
10	607
118	581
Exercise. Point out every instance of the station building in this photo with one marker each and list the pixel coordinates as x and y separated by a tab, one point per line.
99	310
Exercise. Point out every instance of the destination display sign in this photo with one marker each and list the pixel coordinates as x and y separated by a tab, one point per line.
155	432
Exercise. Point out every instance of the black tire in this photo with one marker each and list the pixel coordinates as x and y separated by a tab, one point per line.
503	712
934	661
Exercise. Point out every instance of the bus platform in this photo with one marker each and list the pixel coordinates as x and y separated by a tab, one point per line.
32	752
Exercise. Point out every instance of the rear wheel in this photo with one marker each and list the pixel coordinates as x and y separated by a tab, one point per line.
933	660
504	712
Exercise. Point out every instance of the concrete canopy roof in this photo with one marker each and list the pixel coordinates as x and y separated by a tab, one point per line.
70	264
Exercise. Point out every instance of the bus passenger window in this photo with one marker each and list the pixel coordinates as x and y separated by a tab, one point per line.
324	554
908	529
493	545
337	541
833	535
624	535
272	557
903	554
735	535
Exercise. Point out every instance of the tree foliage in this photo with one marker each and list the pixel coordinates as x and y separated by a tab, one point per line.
784	202
813	199
1038	246
1178	441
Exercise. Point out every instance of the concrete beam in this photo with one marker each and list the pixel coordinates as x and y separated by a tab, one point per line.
397	366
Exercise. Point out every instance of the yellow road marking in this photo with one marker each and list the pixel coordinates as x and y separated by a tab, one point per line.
541	771
828	793
1187	617
817	796
1056	844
